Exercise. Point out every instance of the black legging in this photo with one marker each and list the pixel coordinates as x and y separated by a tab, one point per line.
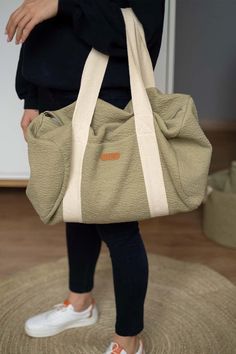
124	241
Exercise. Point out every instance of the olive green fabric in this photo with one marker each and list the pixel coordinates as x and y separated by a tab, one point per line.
219	211
114	190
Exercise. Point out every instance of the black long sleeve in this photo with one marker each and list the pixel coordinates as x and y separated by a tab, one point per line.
100	22
56	49
25	89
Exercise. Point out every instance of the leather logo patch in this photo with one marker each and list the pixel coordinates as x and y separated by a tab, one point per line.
110	156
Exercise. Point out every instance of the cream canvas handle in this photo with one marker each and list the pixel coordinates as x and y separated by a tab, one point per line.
135	28
141	77
95	67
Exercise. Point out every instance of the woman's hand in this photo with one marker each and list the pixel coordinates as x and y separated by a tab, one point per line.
28	116
27	16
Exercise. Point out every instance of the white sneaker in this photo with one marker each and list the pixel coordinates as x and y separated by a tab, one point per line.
115	348
61	317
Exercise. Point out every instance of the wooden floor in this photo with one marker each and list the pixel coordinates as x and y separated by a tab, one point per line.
25	241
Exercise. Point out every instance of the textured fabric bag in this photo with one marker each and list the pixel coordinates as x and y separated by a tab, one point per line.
93	162
219	207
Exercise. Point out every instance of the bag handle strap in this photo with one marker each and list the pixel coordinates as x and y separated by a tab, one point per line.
141	77
145	63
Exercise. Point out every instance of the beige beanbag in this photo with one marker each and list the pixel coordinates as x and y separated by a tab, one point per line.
219	207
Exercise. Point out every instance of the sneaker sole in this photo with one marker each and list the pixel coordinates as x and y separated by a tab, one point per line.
53	331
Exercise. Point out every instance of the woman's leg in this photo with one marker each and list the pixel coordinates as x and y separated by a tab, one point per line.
130	278
83	248
130	269
82	240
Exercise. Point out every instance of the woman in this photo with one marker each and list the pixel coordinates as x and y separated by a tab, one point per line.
56	37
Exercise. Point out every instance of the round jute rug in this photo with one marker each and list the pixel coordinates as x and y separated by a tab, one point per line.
189	309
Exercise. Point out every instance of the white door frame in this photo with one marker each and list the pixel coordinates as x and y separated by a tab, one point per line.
164	70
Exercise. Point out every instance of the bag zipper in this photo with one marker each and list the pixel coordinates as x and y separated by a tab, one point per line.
53	117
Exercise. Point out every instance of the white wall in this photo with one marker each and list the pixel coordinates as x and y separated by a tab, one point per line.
13	147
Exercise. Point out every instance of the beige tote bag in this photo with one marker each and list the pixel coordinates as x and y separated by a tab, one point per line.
93	162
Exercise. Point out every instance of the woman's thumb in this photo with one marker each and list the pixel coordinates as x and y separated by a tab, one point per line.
28	116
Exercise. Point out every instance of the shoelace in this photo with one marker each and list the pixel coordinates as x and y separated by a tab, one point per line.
60	307
63	307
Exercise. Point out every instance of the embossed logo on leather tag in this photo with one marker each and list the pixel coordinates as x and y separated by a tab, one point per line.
110	156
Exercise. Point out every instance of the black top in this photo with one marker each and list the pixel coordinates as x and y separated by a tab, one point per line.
54	53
